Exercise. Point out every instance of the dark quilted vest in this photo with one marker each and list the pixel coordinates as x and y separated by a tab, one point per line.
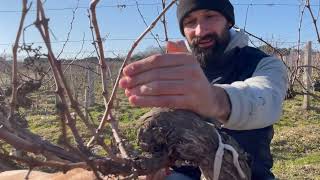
241	65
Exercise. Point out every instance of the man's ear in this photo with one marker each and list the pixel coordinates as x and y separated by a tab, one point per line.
178	46
229	25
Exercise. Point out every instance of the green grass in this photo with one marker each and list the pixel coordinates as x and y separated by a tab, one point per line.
296	144
47	126
307	167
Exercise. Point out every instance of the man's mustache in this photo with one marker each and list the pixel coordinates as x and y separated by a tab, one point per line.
195	41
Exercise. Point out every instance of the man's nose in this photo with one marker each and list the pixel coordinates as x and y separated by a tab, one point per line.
201	29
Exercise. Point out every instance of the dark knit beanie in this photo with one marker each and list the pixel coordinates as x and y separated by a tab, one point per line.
187	6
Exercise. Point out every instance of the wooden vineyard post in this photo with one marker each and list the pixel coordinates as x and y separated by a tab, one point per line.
307	76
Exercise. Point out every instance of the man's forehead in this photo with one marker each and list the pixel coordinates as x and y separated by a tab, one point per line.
202	11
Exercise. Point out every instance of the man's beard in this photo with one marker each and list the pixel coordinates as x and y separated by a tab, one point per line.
213	54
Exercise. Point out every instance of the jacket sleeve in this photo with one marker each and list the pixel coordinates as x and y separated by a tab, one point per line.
257	101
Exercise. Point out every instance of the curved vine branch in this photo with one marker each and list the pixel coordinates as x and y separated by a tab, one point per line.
13	100
112	97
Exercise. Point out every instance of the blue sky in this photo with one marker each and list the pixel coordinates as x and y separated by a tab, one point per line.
122	25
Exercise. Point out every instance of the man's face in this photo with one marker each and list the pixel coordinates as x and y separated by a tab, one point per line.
207	33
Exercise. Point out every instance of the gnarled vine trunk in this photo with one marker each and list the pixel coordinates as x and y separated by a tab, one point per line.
184	136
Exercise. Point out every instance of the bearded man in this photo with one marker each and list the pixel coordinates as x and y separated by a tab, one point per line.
220	78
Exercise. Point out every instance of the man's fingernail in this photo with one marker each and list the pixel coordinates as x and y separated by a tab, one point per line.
133	100
123	82
128	70
127	93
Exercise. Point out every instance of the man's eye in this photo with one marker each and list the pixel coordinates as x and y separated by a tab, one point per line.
189	22
212	16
